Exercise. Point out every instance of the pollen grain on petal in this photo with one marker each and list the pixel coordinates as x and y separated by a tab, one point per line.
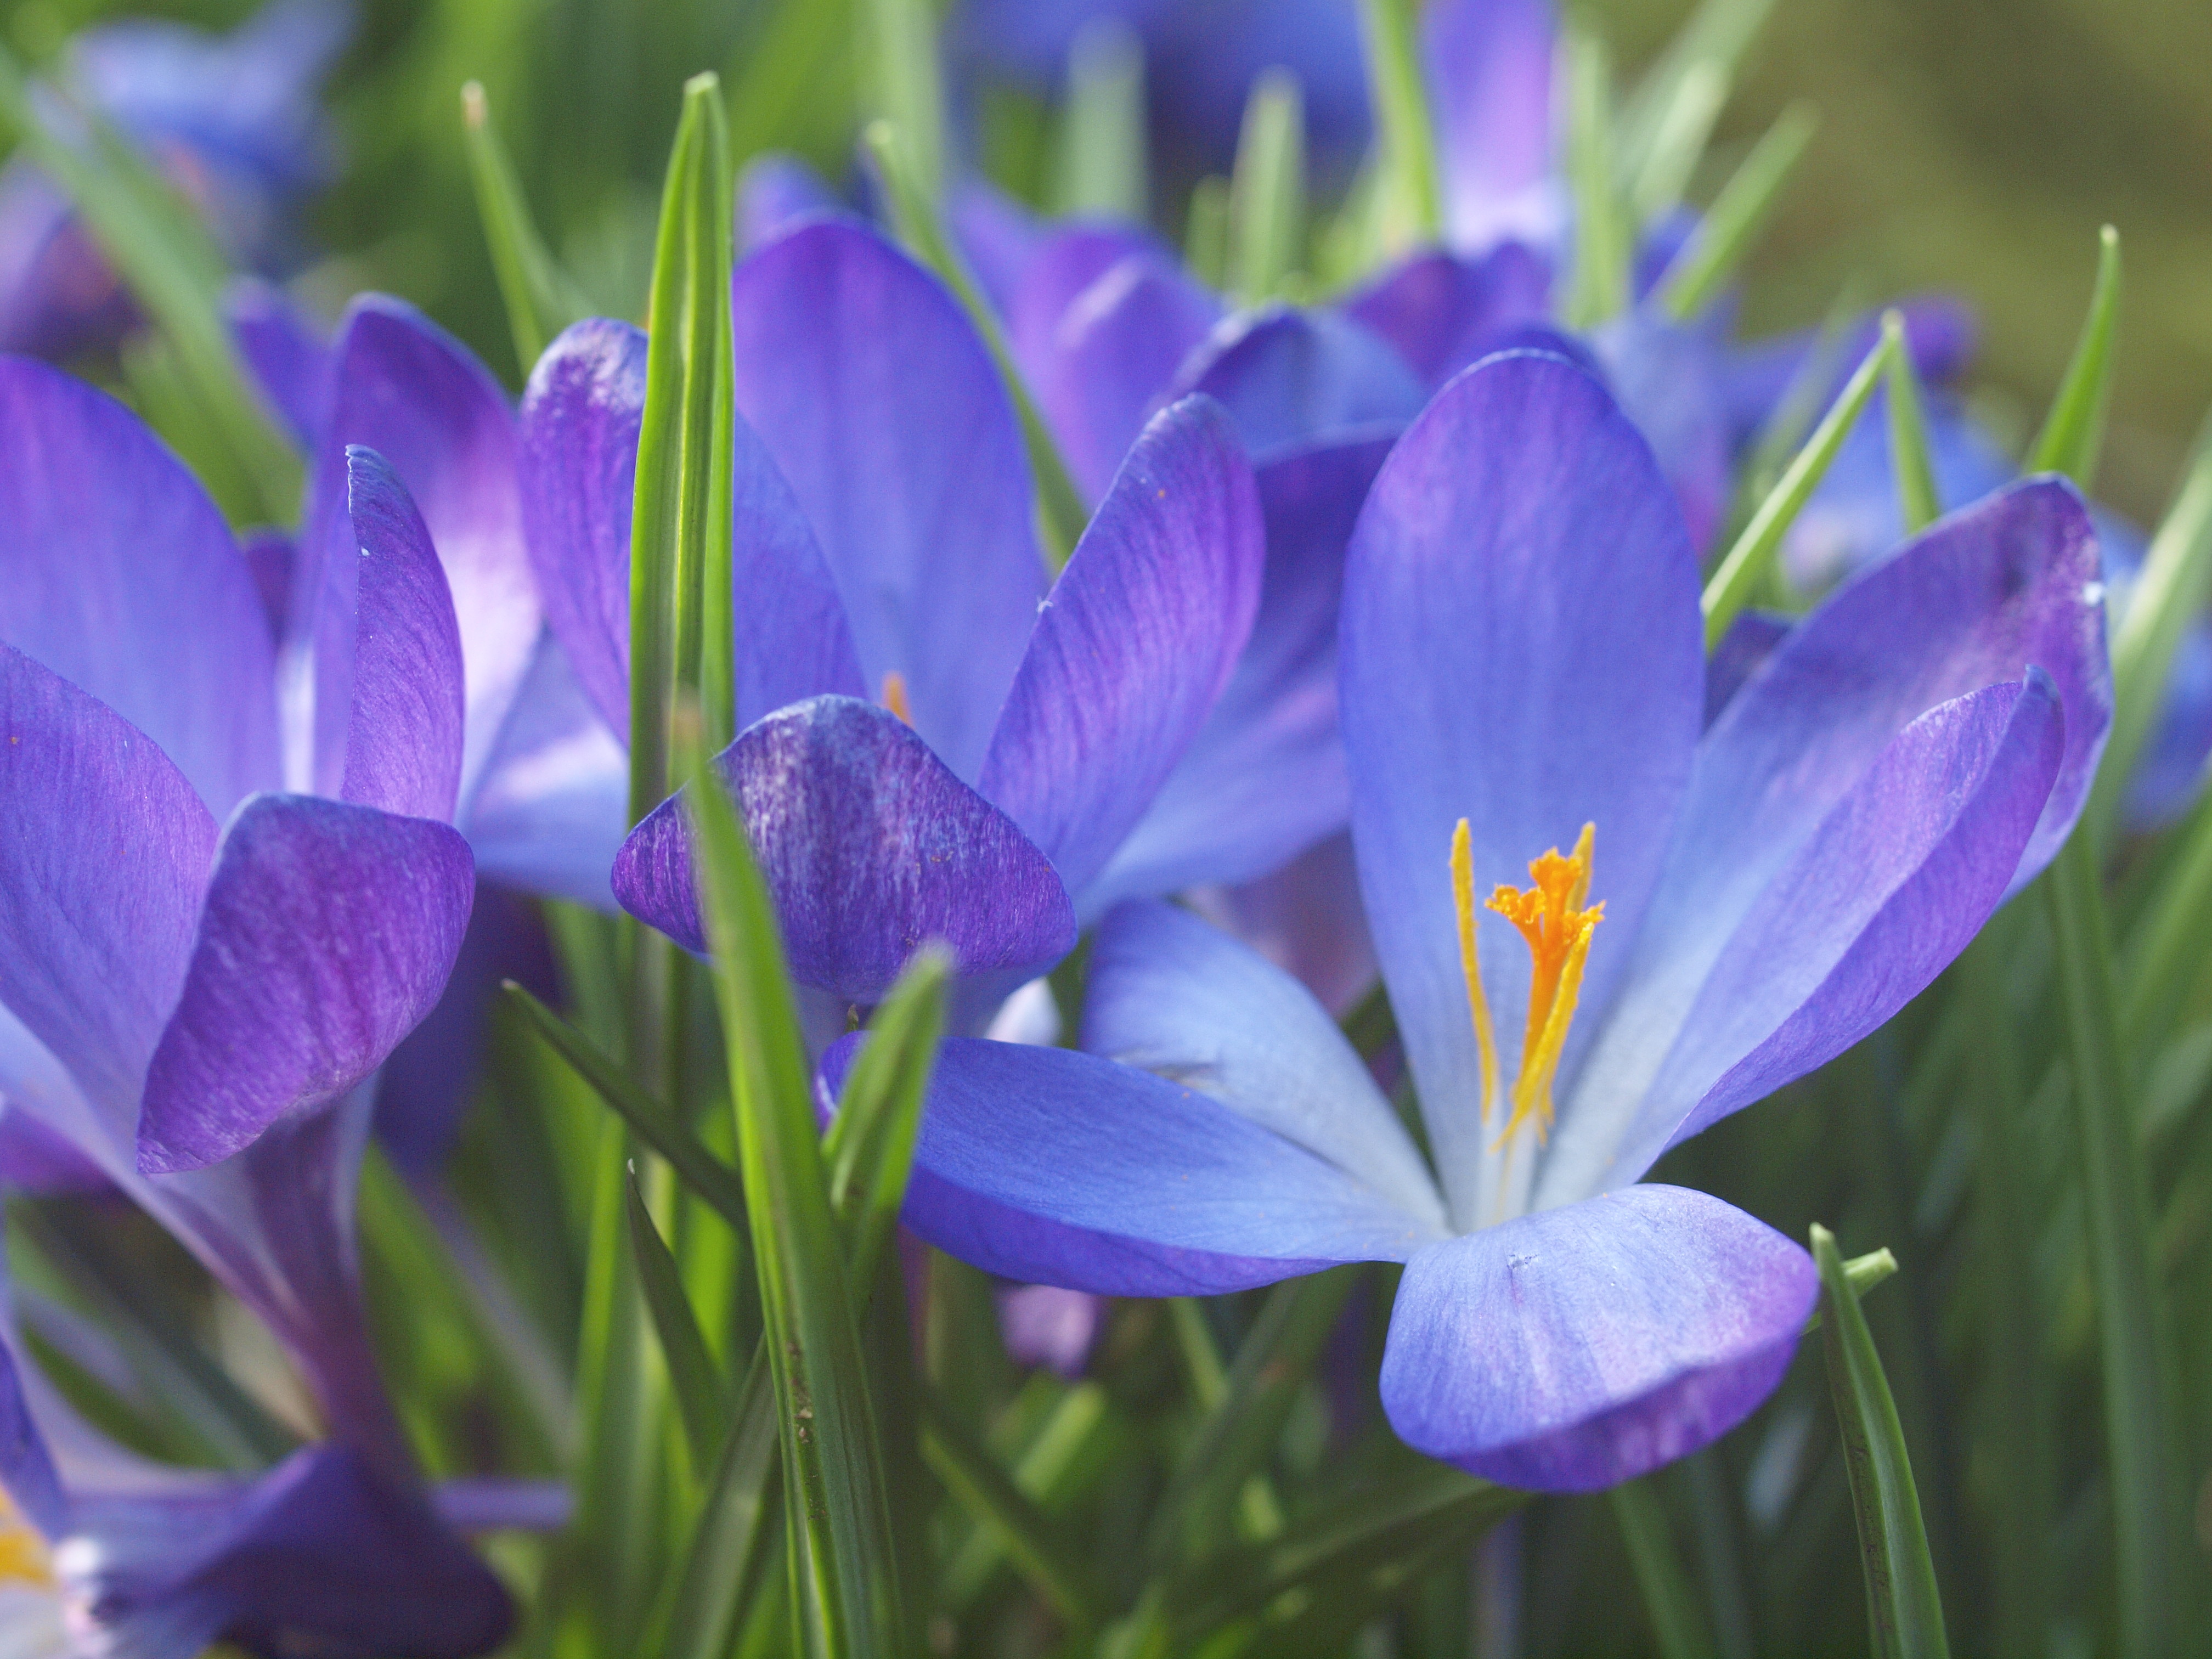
895	697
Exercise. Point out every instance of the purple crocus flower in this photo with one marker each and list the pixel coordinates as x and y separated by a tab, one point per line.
232	121
1523	674
198	968
932	745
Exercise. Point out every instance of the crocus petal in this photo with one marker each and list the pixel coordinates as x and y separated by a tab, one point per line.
1939	334
1441	313
1265	777
1490	65
1070	259
1750	641
1054	1167
404	751
1521	649
290	356
1665	377
328	931
117	573
104	853
1575	1348
1114	351
1894	884
870	847
411	392
1134	645
1289	377
576	450
999	235
35	1159
775	193
1170	995
1306	919
881	409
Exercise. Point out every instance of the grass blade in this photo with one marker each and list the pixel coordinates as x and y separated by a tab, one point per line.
870	1147
2073	431
1730	225
1101	168
1665	122
652	1122
1032	1540
1668	1599
1917	494
845	1577
723	1568
1603	251
1413	214
1749	561
698	1391
540	300
1904	1612
1267	190
2141	1443
907	95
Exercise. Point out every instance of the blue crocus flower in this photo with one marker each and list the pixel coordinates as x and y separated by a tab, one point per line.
1523	674
232	121
206	950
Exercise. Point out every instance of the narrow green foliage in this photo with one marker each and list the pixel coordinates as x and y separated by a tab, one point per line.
1665	123
653	1122
1069	1442
2175	583
1101	169
1205	232
682	631
1908	433
1603	238
1864	1272
1034	1541
1670	1600
2141	1437
1748	562
1061	515
908	93
845	1585
1904	1612
163	252
698	1391
2167	949
723	1569
870	1148
1267	191
792	79
2073	431
1412	210
1729	227
540	300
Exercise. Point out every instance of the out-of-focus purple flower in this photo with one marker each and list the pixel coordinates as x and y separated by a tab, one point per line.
198	966
1522	670
1044	1325
232	121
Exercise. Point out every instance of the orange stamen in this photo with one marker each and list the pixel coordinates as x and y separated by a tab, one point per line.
894	696
1477	1004
1551	916
23	1557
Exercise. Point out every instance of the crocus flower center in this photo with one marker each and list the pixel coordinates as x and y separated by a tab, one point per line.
23	1559
1555	916
895	697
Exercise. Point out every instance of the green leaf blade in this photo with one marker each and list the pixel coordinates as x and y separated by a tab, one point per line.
2073	433
1413	210
698	1391
1267	190
540	300
870	1147
1908	433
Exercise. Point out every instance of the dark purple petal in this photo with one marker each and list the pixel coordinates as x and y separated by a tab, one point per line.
1750	641
775	193
1575	1348
272	555
290	356
1170	995
404	751
1306	919
1069	259
1054	1167
1104	370
1490	85
58	295
999	235
411	392
871	848
793	640
881	408
1265	777
36	1159
1441	313
576	450
1894	884
117	573
104	854
1289	376
327	933
1521	647
1134	644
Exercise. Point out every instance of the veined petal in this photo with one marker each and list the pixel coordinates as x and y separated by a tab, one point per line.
1894	884
327	933
104	850
1575	1348
881	409
1054	1167
1171	995
1265	777
1442	313
871	848
404	751
117	573
411	392
1521	649
1490	66
1134	644
1288	377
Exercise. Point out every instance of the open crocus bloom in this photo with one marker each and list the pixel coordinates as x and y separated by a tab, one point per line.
1708	914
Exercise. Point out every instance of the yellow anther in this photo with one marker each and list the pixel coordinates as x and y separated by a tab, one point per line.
1551	916
894	696
1463	870
23	1557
